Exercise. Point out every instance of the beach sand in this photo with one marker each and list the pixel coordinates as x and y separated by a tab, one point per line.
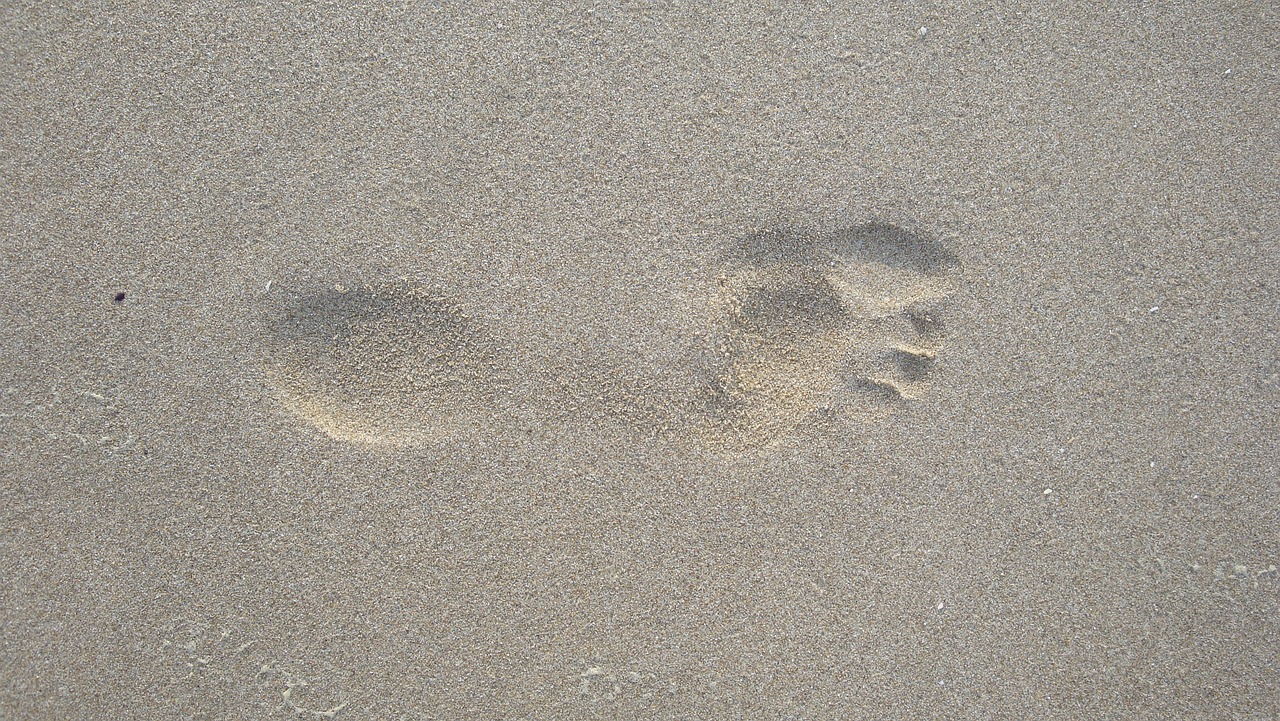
438	361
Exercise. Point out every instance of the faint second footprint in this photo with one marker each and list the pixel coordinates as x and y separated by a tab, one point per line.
392	364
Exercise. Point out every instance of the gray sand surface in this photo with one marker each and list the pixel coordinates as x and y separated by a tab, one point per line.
640	361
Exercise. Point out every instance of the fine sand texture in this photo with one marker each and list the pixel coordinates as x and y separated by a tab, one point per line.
436	360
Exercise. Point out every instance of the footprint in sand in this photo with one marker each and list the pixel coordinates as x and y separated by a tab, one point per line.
844	322
392	364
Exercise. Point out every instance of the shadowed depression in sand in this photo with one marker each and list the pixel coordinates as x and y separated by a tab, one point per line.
802	325
844	322
394	364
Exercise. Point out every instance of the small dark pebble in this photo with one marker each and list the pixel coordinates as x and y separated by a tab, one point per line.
120	297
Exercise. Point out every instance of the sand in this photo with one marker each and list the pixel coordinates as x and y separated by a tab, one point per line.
432	361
